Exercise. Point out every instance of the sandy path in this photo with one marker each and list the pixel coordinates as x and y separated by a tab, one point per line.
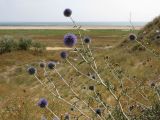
66	48
58	48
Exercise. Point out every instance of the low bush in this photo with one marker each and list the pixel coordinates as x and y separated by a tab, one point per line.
7	44
24	43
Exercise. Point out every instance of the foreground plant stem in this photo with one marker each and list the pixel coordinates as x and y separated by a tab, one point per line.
102	82
109	89
126	94
59	97
76	94
79	32
80	71
91	79
52	112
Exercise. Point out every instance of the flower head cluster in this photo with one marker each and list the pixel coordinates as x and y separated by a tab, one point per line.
70	40
42	103
63	55
31	70
67	12
132	37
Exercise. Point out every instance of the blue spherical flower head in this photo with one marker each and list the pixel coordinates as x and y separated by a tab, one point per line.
87	40
42	103
98	111
51	65
63	55
70	40
67	12
31	70
132	37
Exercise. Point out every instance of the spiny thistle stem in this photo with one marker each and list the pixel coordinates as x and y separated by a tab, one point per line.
51	112
110	113
126	92
88	46
114	74
79	32
101	103
65	82
130	20
110	92
136	101
59	97
75	92
102	81
52	82
83	57
44	85
80	71
149	50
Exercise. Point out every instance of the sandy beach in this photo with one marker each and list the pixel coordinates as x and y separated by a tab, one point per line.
67	27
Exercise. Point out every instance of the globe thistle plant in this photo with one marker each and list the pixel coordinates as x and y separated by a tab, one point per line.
70	40
67	12
85	54
64	55
31	70
42	103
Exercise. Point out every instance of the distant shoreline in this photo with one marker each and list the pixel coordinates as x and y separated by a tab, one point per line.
67	27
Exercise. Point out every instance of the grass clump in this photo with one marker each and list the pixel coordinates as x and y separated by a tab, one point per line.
24	43
7	44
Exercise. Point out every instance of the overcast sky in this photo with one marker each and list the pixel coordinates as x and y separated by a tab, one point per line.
83	10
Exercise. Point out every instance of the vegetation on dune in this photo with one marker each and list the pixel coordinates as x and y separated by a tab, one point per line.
151	31
9	44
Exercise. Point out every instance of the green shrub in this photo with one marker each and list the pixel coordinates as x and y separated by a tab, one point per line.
7	44
24	43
